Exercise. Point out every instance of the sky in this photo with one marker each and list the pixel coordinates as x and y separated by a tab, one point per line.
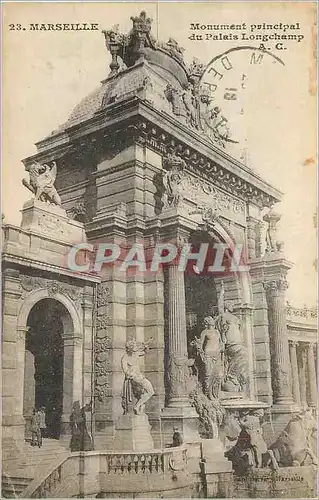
47	73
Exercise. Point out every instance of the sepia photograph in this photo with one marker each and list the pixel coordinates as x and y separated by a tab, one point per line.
159	249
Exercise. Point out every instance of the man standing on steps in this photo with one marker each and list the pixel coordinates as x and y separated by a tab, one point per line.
42	417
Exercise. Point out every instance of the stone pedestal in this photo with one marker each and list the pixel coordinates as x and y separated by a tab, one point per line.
133	433
185	419
216	469
52	221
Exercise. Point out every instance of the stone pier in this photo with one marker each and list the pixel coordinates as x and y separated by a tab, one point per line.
294	371
178	412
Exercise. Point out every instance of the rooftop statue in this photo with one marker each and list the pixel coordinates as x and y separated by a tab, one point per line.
272	244
183	85
41	184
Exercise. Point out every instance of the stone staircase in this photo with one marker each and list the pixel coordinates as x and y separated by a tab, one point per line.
17	473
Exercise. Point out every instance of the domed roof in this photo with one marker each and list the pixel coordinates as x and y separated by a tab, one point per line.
138	46
155	72
87	106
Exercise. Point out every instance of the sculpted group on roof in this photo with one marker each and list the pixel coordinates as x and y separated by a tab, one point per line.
189	102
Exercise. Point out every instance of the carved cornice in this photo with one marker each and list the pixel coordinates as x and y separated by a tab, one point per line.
164	134
146	133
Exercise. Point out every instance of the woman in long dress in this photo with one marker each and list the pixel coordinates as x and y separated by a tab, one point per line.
80	440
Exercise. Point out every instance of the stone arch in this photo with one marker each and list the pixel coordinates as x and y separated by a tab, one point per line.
35	296
223	234
72	348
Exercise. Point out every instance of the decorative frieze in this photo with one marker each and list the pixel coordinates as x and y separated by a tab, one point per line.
199	164
209	198
50	224
178	185
53	287
102	344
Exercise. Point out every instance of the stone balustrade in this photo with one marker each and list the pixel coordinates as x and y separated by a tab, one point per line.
303	314
135	463
84	472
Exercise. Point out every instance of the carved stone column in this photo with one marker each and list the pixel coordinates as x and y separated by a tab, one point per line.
302	357
72	377
294	372
178	412
279	349
177	338
312	392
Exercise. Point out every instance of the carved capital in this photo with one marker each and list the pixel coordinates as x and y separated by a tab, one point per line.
293	343
311	347
276	285
21	332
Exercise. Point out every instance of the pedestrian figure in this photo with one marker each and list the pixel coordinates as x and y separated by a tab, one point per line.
36	439
80	440
177	438
42	418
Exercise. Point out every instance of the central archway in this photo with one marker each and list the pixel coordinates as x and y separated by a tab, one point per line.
43	386
49	368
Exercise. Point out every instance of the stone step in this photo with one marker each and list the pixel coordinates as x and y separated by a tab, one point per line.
13	487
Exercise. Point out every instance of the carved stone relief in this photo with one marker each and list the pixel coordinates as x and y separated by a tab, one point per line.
51	225
103	295
102	343
30	283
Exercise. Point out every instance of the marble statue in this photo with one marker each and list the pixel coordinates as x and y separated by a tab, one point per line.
41	184
191	106
172	181
295	445
173	188
209	348
175	97
236	355
250	450
135	383
272	244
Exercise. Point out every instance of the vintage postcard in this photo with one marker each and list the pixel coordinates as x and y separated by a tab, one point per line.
159	303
